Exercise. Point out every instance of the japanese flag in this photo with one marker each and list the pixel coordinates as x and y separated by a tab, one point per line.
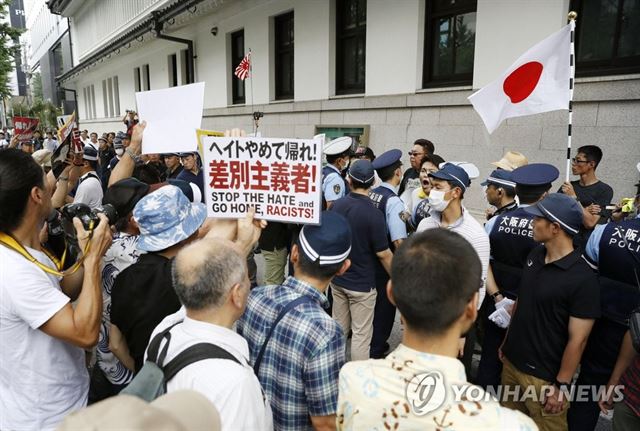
537	82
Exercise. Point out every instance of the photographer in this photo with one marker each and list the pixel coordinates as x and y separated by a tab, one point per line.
42	369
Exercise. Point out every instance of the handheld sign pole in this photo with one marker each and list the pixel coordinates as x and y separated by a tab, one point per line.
572	74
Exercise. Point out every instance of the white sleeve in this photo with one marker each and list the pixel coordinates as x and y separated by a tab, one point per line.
483	248
34	299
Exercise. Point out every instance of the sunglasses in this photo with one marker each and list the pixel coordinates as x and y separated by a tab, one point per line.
414	153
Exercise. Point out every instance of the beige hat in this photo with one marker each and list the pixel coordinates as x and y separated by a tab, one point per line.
42	157
177	411
511	160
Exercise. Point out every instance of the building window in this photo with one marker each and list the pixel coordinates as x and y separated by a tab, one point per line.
450	36
615	47
184	74
146	80
173	70
111	97
89	96
237	54
351	45
137	83
283	26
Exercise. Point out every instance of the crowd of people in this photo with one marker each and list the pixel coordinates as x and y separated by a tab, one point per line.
116	289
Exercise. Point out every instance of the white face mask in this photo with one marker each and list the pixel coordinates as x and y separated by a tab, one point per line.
119	151
436	200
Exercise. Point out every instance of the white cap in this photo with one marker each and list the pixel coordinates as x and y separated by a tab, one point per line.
469	168
337	146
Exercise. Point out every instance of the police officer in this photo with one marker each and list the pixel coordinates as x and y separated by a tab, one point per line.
511	238
385	198
500	192
338	153
614	250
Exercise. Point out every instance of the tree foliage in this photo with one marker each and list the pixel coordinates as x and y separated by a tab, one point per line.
42	109
9	46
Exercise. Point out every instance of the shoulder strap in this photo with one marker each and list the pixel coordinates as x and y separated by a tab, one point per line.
195	353
290	306
154	345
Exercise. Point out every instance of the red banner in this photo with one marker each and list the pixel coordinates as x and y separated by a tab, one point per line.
23	127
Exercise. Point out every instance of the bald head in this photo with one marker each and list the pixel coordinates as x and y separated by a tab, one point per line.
204	272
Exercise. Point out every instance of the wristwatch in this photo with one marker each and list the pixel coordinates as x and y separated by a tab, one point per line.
132	154
495	294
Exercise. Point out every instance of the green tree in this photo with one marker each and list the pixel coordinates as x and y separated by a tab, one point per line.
43	110
9	47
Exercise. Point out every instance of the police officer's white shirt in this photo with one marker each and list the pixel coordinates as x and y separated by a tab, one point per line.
234	389
50	144
333	185
42	379
472	231
89	191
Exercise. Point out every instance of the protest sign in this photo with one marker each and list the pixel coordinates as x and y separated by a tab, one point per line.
173	115
24	127
280	177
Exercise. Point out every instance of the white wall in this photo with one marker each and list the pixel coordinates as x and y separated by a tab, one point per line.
393	34
505	29
43	29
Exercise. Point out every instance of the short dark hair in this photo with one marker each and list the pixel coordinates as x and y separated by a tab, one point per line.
313	268
434	274
147	174
428	146
432	158
355	184
19	173
509	191
387	172
531	194
593	153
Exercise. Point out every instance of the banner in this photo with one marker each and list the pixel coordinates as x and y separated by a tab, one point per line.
23	128
280	177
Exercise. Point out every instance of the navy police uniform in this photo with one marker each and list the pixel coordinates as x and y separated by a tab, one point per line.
614	250
333	184
511	238
386	200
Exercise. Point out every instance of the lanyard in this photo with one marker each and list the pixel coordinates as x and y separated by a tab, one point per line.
13	244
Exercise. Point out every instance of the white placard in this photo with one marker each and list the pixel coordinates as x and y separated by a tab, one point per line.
280	177
173	115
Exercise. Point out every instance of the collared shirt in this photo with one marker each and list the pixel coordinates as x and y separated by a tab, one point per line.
142	296
89	190
333	185
300	367
549	295
122	253
395	206
377	394
472	231
233	388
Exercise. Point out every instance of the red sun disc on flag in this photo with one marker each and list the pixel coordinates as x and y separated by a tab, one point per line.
521	82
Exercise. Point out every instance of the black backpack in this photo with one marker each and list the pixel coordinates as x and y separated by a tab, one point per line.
151	381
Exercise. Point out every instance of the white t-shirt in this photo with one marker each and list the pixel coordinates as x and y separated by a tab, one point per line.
42	379
234	389
89	190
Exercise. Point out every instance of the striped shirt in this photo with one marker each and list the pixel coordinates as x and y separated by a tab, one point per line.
300	367
469	228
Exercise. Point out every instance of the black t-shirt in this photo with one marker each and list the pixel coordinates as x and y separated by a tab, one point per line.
598	193
274	237
368	237
142	296
549	295
409	174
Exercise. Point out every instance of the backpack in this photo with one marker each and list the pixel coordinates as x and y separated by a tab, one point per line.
151	381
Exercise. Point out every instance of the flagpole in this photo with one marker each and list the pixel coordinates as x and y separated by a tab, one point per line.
572	73
251	84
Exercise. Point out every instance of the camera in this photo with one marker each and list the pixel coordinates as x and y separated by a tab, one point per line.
88	217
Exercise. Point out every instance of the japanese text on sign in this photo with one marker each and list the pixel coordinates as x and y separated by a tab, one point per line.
279	177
